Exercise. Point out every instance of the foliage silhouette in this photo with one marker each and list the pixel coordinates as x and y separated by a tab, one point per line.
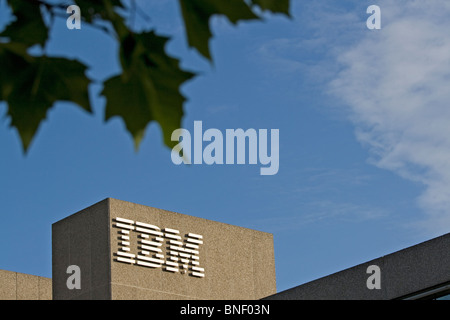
148	89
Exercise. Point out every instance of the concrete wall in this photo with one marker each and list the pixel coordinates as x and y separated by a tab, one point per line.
83	239
20	286
238	262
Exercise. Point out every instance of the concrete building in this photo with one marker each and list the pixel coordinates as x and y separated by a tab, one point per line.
129	251
20	286
121	250
418	272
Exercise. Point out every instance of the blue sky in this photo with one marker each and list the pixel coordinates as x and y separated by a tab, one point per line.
364	144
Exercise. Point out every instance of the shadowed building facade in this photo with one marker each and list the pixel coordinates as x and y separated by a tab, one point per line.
418	272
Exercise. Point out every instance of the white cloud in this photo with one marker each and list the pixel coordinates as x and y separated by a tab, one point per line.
396	84
309	50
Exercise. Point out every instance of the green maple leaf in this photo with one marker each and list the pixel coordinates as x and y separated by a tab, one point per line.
197	13
103	9
31	86
275	6
29	27
148	88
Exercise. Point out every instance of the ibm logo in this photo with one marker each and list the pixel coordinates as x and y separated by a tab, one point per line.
179	257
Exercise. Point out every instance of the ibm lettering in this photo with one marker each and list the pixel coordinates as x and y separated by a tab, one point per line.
181	254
